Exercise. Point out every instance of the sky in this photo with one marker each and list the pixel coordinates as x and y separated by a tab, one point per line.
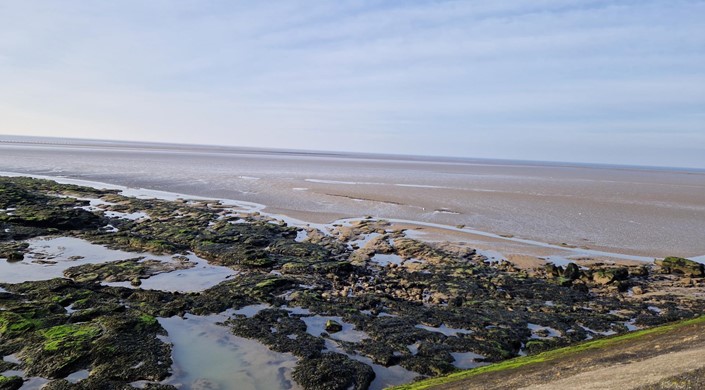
553	80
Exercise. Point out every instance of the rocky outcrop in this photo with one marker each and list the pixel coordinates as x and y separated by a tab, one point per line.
681	266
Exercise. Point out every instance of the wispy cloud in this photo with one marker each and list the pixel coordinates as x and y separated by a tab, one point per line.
511	79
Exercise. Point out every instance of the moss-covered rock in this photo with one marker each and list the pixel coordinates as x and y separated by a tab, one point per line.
679	265
10	382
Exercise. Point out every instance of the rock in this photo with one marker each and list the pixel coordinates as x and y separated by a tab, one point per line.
333	371
552	270
637	290
13	257
641	271
333	326
609	275
10	383
679	265
572	272
13	251
600	277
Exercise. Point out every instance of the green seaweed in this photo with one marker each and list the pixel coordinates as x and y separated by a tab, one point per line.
68	336
12	324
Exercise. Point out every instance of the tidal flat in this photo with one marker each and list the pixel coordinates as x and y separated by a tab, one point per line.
639	211
358	304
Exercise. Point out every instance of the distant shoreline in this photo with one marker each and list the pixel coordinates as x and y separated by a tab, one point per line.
225	149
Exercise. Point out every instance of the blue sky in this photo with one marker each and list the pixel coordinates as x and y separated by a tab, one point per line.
560	80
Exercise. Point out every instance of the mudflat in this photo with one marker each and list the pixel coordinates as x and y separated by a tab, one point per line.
649	212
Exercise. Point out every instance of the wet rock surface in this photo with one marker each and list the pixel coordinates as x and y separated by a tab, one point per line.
679	265
376	294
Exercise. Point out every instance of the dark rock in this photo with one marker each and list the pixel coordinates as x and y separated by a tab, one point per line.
572	272
14	256
333	326
10	383
333	371
552	270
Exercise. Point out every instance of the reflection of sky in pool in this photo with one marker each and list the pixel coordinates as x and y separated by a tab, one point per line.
208	355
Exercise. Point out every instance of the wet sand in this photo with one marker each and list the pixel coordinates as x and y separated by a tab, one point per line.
632	211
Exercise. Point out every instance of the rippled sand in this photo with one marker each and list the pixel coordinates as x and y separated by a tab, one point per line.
639	211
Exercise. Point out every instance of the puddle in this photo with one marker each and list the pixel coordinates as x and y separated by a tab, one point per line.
631	325
198	278
592	331
48	258
551	333
385	260
466	360
492	256
12	359
69	309
136	216
297	310
78	376
315	325
364	240
208	356
252	310
445	330
655	309
301	235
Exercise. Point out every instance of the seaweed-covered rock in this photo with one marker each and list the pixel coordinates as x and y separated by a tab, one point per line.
333	371
609	275
10	382
679	265
572	272
125	270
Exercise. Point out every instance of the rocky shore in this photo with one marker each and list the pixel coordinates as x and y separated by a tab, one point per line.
349	302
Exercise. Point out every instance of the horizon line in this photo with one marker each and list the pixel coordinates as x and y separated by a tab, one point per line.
34	140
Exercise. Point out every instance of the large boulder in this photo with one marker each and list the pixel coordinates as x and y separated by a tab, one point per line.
679	265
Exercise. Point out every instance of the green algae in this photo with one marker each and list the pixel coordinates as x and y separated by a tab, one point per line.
13	324
68	336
